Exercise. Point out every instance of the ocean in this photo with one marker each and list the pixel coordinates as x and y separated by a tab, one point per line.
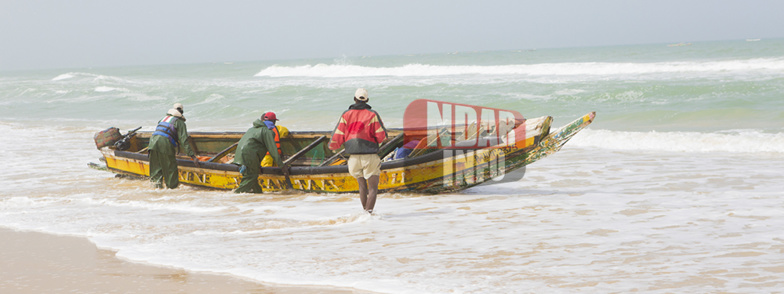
676	186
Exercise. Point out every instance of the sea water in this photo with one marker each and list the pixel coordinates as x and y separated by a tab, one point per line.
676	187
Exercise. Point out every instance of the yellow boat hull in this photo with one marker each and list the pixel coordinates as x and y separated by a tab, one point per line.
434	172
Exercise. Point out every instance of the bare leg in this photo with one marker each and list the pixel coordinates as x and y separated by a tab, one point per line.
372	187
363	191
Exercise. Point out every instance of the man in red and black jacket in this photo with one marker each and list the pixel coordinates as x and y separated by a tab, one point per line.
360	131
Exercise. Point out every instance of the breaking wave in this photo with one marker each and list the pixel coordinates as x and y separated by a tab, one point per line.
736	141
758	65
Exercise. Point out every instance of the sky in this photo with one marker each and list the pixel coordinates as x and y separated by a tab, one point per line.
41	34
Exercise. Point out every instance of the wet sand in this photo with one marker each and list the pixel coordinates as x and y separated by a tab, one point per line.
42	263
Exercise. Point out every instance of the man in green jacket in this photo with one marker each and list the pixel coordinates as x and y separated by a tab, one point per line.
169	134
251	149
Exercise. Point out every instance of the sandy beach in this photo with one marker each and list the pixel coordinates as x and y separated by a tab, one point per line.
33	262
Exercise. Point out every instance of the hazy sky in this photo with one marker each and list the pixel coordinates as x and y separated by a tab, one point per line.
92	33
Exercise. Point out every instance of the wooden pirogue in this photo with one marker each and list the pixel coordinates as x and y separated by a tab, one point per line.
315	168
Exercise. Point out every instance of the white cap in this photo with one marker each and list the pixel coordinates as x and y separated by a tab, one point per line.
361	94
175	112
178	105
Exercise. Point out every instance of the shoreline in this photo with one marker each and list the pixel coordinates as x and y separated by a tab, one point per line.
34	262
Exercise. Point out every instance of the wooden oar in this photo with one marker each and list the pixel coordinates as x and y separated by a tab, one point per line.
223	152
193	144
305	150
390	145
287	163
332	158
419	150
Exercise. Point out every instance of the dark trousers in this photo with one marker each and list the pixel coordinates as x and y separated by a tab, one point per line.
250	179
163	167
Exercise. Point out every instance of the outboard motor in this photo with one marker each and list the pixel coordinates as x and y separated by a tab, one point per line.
125	143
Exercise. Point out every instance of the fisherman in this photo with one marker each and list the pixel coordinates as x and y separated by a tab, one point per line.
169	134
270	120
252	147
361	131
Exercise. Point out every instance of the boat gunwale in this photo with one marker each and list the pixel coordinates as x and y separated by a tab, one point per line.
437	154
542	145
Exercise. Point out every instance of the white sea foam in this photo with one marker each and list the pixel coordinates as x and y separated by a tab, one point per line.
109	89
89	76
76	75
64	76
581	220
772	65
146	204
144	97
738	141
